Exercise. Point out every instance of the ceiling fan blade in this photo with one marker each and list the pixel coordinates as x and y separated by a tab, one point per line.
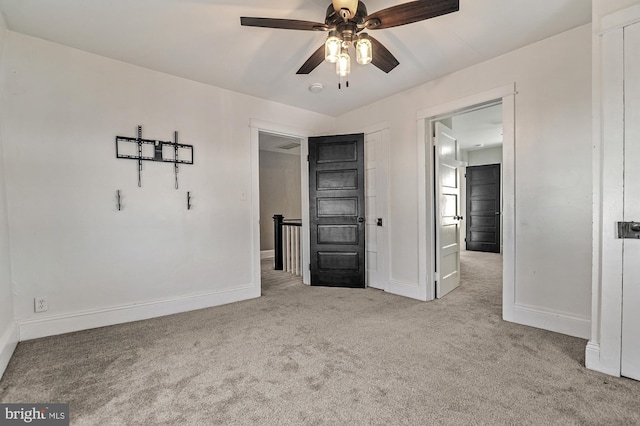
382	58
285	24
312	63
410	12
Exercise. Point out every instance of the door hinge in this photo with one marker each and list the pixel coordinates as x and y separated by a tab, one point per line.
307	157
436	276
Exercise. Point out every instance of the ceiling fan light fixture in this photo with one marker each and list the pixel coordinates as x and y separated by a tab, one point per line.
364	51
332	47
343	66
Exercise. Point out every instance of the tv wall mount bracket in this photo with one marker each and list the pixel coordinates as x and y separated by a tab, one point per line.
140	149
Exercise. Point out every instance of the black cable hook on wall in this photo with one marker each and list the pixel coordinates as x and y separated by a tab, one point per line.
118	200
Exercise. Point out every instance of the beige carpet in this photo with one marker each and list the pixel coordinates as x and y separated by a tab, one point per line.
307	355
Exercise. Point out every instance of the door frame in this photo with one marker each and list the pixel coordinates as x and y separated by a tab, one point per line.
256	127
385	254
426	214
604	350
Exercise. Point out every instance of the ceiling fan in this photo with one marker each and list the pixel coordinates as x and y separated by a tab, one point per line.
345	22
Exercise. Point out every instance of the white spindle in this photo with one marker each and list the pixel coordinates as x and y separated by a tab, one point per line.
291	261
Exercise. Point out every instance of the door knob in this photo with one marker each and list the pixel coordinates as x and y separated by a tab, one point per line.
635	227
361	219
379	221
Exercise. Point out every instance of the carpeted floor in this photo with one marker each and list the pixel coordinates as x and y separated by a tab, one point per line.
308	355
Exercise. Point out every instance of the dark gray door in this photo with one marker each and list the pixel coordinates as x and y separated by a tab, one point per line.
336	210
483	208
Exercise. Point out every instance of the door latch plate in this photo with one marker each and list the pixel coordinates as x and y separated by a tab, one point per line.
629	230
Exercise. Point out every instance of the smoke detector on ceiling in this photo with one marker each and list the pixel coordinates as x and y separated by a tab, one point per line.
316	88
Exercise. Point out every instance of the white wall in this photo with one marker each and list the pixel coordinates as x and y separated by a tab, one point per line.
8	331
62	110
553	169
279	192
481	157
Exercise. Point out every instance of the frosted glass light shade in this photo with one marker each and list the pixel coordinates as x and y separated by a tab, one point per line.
364	53
343	66
332	48
351	5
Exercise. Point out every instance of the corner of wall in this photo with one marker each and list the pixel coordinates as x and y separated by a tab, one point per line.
8	343
8	329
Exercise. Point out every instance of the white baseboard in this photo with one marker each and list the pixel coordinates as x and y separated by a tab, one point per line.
267	254
405	289
593	361
53	325
552	321
8	343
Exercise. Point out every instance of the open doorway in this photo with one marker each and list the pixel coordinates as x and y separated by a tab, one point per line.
280	186
427	223
480	136
377	153
467	192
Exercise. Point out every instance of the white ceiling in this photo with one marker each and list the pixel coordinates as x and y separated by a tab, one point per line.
202	40
277	143
479	129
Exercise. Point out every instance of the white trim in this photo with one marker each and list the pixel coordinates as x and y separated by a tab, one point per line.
59	324
426	254
426	228
608	187
509	213
8	343
593	362
384	249
378	127
267	254
406	289
450	108
258	126
304	197
620	19
559	322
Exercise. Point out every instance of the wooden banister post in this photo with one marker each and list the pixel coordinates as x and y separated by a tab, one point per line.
277	241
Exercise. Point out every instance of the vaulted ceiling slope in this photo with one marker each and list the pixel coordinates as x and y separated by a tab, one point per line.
203	40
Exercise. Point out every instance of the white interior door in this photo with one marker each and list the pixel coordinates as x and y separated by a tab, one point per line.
630	362
447	210
376	215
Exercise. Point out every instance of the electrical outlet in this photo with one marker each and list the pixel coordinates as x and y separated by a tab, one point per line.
41	304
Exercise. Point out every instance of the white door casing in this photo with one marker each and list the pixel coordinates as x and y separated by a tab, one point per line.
376	208
447	208
613	274
256	127
630	351
426	221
